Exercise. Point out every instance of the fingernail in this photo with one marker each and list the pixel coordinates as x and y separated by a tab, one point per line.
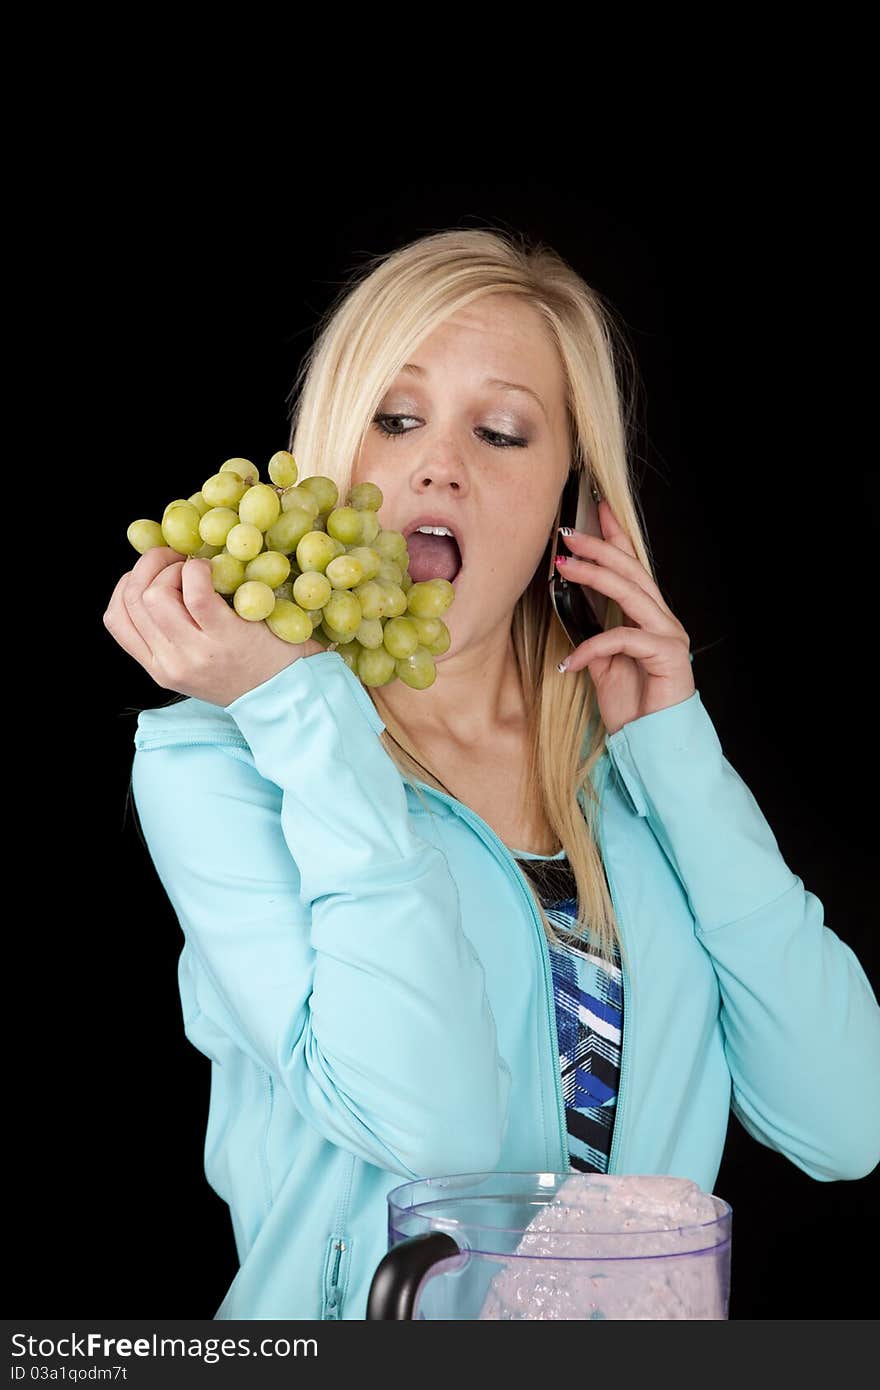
566	531
563	665
561	560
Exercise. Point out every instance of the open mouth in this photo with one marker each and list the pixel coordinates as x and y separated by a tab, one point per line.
433	557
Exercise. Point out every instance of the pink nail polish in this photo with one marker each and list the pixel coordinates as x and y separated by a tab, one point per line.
561	560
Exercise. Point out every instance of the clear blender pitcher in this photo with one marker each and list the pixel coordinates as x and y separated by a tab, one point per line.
590	1246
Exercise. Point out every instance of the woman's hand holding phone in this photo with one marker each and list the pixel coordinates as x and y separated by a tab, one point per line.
643	666
166	613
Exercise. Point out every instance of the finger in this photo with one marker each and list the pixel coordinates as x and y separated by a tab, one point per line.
660	655
118	623
207	608
634	599
151	564
604	552
612	529
160	616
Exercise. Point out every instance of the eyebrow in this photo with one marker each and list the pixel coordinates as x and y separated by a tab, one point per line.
489	381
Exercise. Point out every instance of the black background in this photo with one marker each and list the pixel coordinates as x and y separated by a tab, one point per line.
175	316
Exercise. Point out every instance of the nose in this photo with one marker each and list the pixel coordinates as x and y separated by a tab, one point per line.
440	475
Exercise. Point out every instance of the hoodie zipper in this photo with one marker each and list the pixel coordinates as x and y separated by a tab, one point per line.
332	1301
337	1256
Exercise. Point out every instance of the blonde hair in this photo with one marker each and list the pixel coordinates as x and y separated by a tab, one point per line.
379	317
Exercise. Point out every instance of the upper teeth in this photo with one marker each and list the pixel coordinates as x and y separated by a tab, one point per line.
435	530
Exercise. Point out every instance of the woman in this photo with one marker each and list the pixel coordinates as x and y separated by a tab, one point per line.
526	919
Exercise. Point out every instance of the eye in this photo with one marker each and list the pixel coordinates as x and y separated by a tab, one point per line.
494	439
380	423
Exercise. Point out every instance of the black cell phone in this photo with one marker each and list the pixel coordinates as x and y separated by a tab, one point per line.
581	611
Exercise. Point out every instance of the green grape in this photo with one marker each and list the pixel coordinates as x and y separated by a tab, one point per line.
254	601
198	501
224	489
344	571
376	666
244	541
394	605
417	670
260	506
227	573
286	533
271	567
285	552
441	643
299	497
315	550
144	535
344	524
343	612
365	497
216	523
369	558
324	489
369	634
349	653
332	635
428	629
391	545
429	598
180	529
312	590
282	469
244	468
401	636
372	598
391	571
288	621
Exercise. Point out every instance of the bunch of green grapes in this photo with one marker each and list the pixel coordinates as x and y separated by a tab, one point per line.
285	553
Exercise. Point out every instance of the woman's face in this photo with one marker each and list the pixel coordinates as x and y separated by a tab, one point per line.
446	442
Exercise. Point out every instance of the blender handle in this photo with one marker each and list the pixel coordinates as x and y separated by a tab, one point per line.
400	1272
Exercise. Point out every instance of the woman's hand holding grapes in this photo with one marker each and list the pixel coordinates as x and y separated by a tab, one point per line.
166	613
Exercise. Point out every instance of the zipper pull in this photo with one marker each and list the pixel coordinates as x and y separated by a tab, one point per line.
332	1301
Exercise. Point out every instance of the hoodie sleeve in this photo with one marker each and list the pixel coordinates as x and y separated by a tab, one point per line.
328	932
801	1022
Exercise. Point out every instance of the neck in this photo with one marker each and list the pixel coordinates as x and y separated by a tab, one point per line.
476	693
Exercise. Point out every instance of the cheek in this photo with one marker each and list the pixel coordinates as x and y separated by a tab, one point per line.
370	469
524	539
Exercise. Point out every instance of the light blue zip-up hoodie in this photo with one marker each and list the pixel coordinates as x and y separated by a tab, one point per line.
370	978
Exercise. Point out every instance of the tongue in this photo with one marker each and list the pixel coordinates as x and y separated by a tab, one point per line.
432	557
